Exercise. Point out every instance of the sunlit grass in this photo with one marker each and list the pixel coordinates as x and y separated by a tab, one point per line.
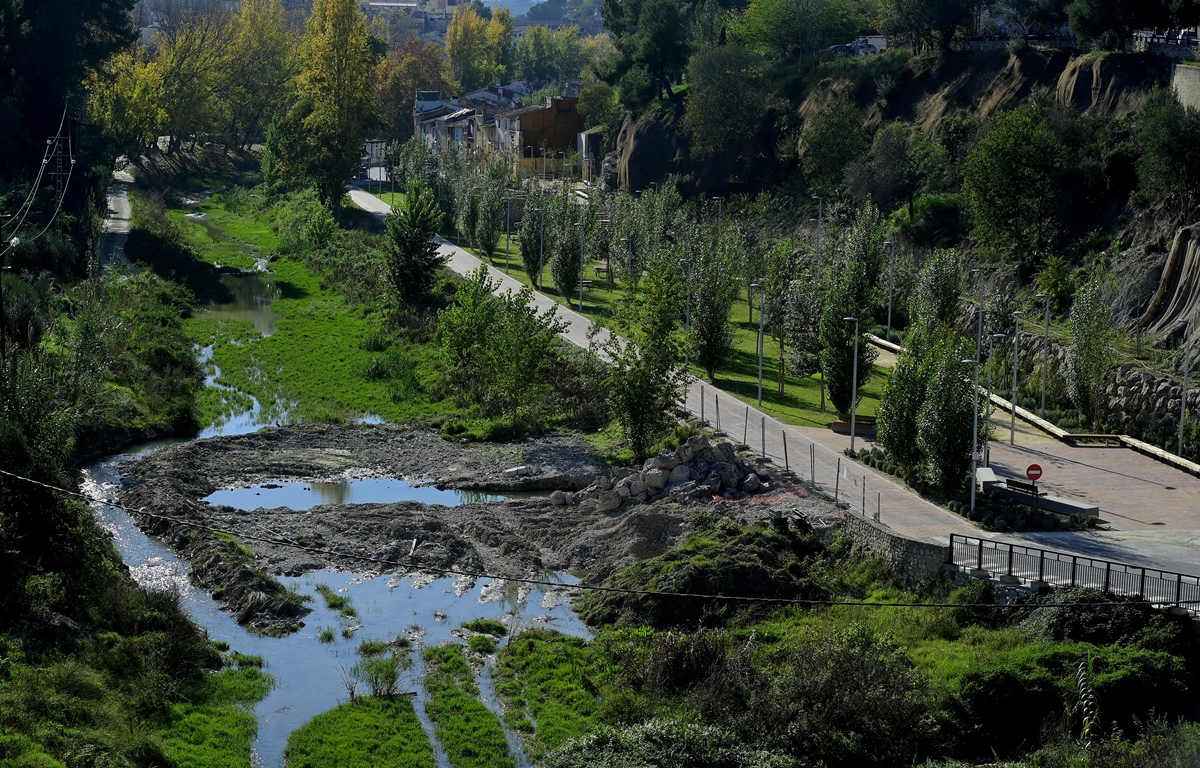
218	729
468	731
365	733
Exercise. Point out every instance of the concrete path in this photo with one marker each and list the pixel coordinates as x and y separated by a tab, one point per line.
116	226
816	455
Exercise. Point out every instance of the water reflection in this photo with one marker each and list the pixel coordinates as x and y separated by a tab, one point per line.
301	496
253	294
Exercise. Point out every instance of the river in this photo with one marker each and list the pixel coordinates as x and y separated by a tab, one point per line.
309	674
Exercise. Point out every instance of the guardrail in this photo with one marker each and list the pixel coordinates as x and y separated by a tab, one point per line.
1001	559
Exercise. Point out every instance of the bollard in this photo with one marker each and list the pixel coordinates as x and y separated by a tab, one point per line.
878	504
786	466
702	421
717	406
762	433
837	479
745	425
812	464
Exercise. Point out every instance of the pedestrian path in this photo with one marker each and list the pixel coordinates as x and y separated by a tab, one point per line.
816	455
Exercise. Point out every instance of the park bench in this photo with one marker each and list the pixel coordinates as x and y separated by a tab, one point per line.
1013	484
601	270
587	285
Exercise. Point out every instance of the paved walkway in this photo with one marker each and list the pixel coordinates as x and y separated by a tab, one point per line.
116	225
816	455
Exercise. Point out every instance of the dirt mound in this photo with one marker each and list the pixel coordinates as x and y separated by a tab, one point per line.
1178	294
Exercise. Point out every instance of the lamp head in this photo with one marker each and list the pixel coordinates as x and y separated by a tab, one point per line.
888	242
1041	296
1018	313
969	362
850	319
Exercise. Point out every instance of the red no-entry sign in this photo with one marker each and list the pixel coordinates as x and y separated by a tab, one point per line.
1033	472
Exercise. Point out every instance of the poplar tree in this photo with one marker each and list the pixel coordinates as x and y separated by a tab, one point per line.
334	98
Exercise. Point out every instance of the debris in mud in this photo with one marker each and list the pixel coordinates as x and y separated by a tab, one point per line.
594	520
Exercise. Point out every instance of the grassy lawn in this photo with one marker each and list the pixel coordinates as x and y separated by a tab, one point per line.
365	733
798	404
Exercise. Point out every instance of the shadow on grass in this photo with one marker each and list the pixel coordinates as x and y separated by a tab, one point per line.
169	258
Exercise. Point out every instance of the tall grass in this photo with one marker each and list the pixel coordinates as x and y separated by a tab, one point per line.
366	733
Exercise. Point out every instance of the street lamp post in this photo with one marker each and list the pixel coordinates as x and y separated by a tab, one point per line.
891	285
853	383
687	267
1187	359
992	339
507	229
582	244
762	301
974	433
628	283
1045	351
820	221
1012	434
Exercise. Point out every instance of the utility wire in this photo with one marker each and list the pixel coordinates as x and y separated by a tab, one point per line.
544	582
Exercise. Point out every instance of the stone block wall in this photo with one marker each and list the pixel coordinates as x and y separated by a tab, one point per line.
913	561
1185	81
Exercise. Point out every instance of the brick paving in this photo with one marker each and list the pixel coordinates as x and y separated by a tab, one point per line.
1152	509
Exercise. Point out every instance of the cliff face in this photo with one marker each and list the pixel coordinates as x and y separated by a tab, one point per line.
931	90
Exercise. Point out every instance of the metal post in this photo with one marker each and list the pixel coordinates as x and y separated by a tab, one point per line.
787	466
687	265
702	421
1142	586
812	463
761	304
975	409
541	247
1041	564
853	383
717	408
820	220
507	231
1074	561
1187	358
891	285
837	479
864	502
979	557
1012	435
746	425
1107	574
582	243
987	456
1010	559
1045	351
762	434
878	506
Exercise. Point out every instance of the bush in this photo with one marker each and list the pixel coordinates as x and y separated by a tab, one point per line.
486	627
481	644
662	743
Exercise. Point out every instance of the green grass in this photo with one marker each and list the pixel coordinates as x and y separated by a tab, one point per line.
336	602
314	367
800	402
481	644
543	679
468	731
216	727
365	733
486	627
326	635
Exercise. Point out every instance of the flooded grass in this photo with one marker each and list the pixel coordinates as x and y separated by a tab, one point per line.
336	602
468	731
365	733
218	730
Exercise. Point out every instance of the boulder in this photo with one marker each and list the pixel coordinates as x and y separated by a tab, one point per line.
622	490
637	488
713	482
558	499
724	453
694	446
603	483
683	490
680	474
700	467
620	473
664	460
607	501
656	479
730	476
751	484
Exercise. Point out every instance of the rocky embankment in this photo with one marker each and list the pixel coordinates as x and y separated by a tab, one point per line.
593	519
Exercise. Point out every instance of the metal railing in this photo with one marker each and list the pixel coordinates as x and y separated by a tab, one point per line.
1059	569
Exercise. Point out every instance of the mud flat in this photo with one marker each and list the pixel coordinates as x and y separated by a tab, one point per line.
516	537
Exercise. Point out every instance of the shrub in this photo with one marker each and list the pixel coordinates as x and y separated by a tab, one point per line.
481	644
486	627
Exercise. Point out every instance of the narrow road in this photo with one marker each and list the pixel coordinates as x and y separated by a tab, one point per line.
116	226
816	455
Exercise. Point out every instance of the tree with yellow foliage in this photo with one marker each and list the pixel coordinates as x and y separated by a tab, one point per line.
480	51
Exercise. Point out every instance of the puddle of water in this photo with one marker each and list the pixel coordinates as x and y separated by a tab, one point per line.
253	295
308	673
301	496
241	423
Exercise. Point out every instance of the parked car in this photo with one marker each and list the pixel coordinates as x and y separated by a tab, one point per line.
863	46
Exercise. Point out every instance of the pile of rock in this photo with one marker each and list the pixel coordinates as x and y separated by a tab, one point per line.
696	470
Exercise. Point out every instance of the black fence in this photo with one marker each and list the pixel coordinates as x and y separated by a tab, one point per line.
1059	569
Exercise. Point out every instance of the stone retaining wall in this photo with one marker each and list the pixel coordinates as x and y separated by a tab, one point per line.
914	561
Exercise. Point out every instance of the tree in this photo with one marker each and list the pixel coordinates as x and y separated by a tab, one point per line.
902	162
1169	139
849	296
785	29
535	54
124	101
713	288
928	23
260	61
803	323
712	119
489	216
533	232
334	104
1089	356
566	263
412	256
937	299
598	104
1009	182
900	408
480	51
831	140
1110	23
644	380
947	420
412	66
651	38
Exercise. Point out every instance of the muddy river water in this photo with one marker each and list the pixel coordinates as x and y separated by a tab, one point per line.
309	674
